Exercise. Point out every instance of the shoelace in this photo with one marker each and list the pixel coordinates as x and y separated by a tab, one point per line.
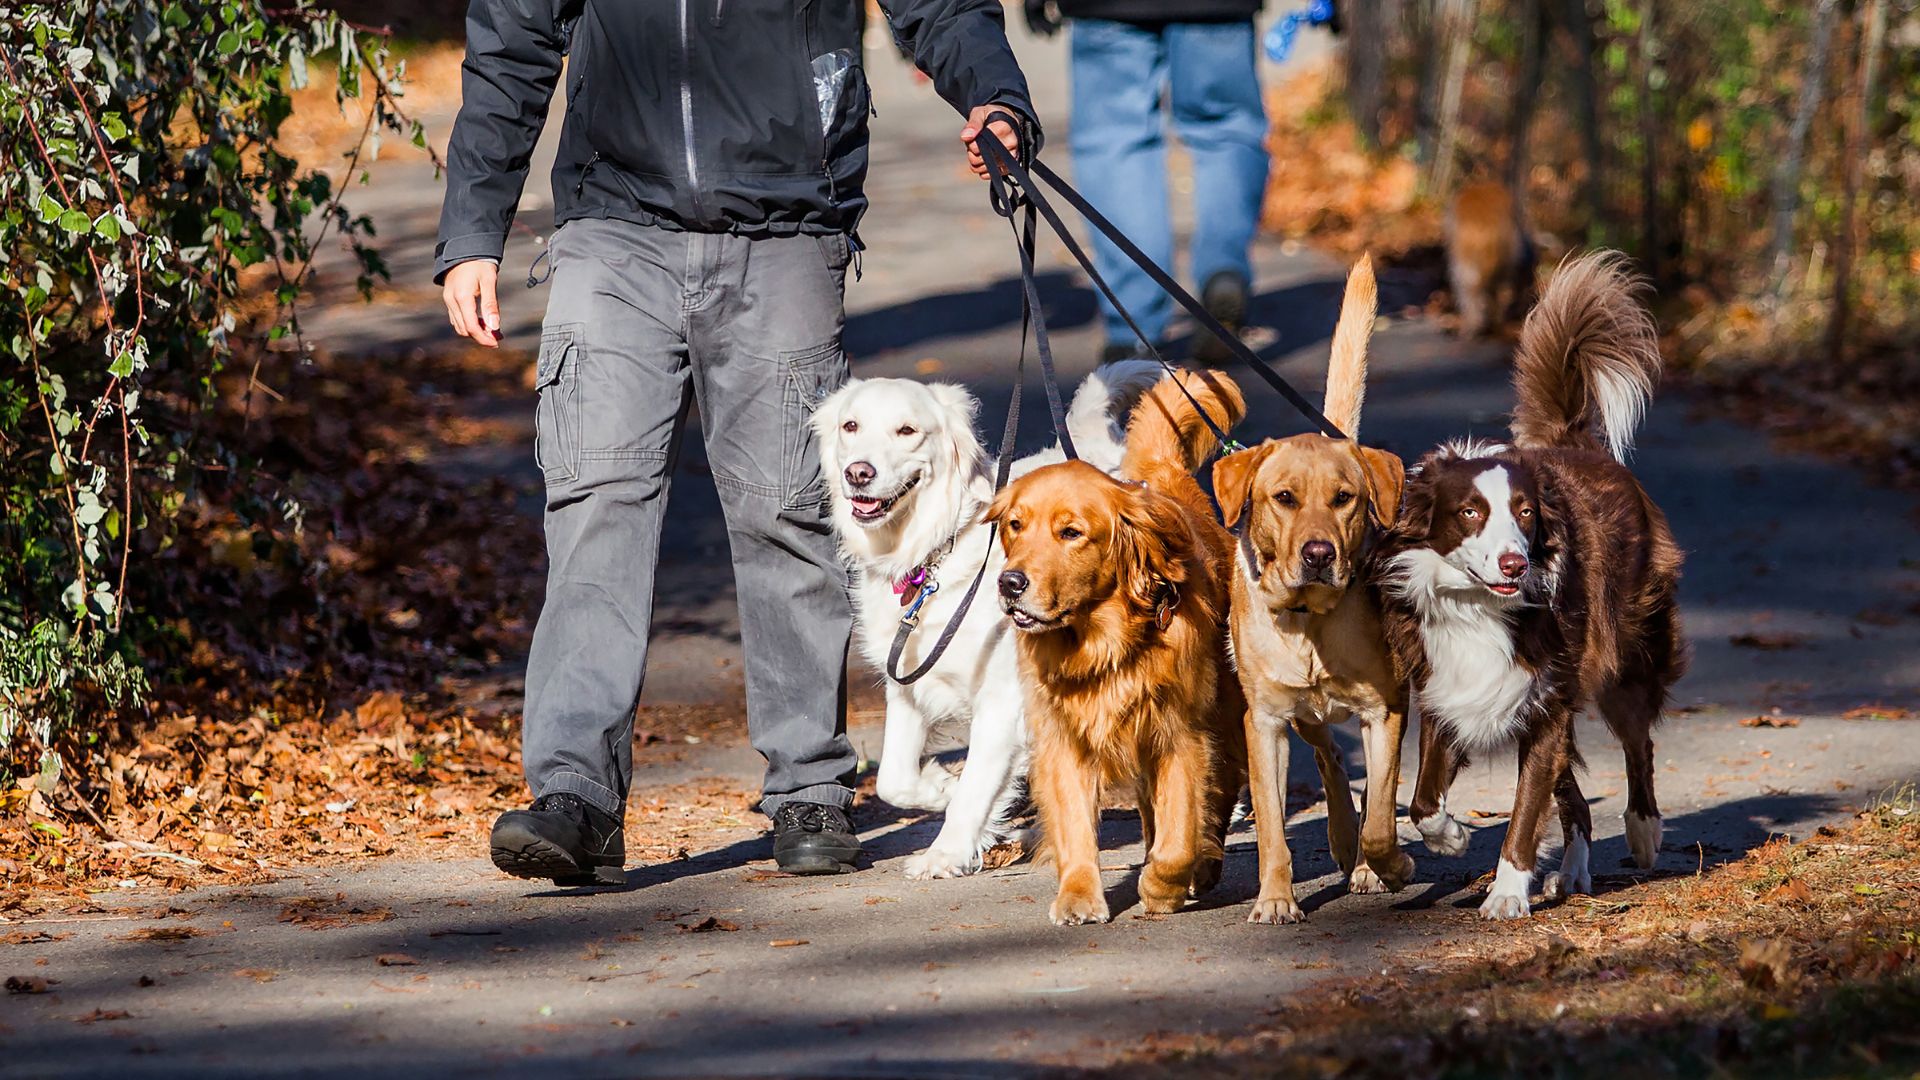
811	817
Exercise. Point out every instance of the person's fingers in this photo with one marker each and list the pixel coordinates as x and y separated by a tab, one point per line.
453	312
490	305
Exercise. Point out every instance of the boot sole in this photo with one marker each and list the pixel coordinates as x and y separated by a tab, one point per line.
525	855
820	863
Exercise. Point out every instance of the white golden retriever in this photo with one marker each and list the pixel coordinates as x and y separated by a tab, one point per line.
909	480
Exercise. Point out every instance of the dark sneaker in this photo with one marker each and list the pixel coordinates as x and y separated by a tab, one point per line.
1225	298
564	838
812	838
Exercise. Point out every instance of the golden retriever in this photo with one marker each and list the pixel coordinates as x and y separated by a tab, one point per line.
1307	640
1119	592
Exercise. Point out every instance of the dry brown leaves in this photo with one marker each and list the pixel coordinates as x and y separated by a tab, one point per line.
1799	951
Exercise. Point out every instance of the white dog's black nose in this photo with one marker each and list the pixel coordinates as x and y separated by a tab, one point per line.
1012	584
860	474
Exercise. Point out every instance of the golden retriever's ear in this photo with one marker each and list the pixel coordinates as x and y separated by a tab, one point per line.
1233	479
1154	543
997	509
1386	475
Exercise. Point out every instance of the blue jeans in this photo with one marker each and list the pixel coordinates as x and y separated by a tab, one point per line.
1206	71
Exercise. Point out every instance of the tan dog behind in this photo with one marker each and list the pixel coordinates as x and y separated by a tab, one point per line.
1307	639
1119	592
1489	258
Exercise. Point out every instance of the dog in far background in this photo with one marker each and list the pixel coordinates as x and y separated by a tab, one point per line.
1527	581
1490	257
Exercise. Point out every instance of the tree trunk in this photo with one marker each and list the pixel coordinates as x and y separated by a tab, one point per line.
1586	100
1456	35
1531	15
1650	128
1858	146
1786	179
1369	31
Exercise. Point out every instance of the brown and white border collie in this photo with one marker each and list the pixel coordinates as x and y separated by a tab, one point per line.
1526	581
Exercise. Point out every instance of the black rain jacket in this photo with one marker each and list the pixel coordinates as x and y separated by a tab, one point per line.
743	116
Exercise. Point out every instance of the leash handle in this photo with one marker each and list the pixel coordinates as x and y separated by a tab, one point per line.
1015	185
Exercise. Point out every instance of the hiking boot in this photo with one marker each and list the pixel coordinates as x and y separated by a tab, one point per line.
813	838
1225	298
564	838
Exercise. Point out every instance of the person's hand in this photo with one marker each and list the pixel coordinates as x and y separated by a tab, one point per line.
472	304
976	120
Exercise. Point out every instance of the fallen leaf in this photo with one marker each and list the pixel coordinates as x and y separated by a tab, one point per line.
1794	891
28	984
1774	642
1767	964
1771	721
705	926
1877	712
787	943
162	933
98	1015
395	959
259	975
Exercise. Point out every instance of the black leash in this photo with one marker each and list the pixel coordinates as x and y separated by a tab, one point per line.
1028	192
1025	235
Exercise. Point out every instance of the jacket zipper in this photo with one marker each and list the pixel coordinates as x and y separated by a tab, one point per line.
686	107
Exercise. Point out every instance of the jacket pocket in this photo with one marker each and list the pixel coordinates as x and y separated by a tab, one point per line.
556	442
811	374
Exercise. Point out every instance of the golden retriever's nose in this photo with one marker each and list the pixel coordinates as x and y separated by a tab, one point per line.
1316	554
860	474
1013	584
1513	565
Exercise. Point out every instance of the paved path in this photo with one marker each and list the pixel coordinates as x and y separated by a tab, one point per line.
966	978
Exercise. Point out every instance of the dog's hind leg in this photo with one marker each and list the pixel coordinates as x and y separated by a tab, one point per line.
1630	709
1343	825
1178	794
1440	761
1574	876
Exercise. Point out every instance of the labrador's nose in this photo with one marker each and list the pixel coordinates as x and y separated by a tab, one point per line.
1013	584
1513	565
1317	554
860	474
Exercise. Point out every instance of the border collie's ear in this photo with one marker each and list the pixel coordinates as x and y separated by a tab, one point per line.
1415	519
1385	477
1233	479
1154	545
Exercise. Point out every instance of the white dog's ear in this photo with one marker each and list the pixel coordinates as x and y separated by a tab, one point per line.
826	416
960	406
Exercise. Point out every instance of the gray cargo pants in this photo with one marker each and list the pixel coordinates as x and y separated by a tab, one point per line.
642	322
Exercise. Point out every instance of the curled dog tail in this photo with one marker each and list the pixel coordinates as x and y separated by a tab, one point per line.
1588	359
1167	437
1347	369
1097	418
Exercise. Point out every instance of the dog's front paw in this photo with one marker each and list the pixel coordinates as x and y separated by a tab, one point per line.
1643	839
923	792
1444	834
1574	877
1274	911
1508	898
1206	875
935	863
1398	871
1364	880
1076	908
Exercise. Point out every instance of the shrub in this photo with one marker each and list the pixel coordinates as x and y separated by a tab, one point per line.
140	182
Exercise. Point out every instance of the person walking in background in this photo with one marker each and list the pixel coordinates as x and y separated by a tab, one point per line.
1195	59
707	188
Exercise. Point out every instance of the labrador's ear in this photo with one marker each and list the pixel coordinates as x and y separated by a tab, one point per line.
1155	545
1386	475
1233	479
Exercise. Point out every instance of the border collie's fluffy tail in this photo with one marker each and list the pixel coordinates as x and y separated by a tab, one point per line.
1167	438
1347	369
1588	359
1097	418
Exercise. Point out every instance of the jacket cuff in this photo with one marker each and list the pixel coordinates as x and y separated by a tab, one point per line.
1022	108
451	253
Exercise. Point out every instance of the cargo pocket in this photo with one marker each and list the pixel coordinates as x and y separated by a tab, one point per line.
556	443
811	374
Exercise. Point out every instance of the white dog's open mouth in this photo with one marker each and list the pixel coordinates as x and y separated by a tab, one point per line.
868	509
